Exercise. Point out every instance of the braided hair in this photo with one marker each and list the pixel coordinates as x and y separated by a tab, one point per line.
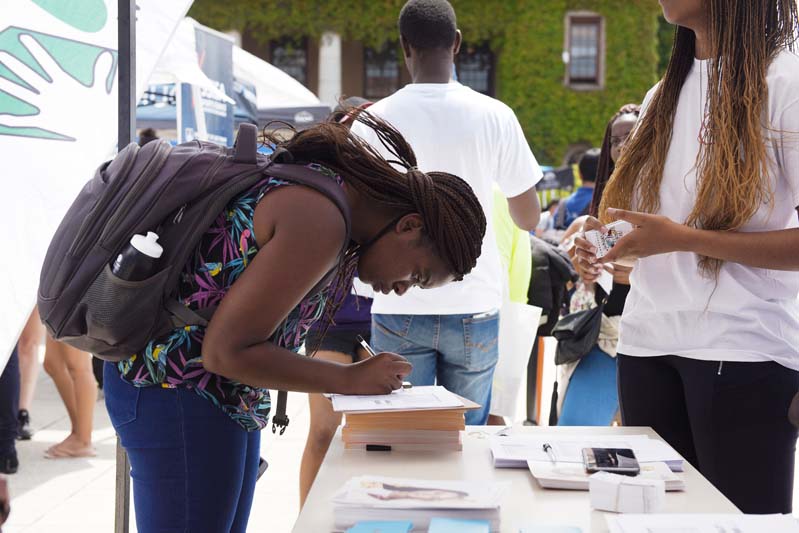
454	220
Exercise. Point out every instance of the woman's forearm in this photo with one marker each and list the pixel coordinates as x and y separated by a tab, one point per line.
776	250
268	366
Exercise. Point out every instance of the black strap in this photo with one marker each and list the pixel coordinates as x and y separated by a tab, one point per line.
245	149
183	316
280	419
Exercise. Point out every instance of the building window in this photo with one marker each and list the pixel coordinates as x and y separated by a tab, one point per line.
585	42
381	71
475	67
291	56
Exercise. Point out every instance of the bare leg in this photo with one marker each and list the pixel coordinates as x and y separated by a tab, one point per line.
28	349
495	420
324	422
79	392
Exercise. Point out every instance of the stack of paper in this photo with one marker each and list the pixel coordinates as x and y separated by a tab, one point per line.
513	451
415	500
702	523
572	476
420	418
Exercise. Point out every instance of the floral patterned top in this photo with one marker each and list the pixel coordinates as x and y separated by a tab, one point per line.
223	253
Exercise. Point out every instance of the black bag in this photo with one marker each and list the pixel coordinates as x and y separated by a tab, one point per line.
577	334
551	274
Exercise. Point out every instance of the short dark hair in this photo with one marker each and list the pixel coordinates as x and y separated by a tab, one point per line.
147	135
428	24
589	163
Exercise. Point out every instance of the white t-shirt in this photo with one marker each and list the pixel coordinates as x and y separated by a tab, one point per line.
751	314
457	130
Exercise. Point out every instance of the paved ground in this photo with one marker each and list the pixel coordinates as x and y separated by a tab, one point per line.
77	495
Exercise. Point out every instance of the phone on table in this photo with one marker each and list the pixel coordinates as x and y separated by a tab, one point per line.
615	460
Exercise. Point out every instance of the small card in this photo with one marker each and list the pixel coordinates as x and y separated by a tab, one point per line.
604	243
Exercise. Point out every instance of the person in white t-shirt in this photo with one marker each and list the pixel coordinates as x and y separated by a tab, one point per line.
710	179
450	334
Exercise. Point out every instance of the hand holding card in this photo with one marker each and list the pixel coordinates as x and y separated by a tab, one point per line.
603	242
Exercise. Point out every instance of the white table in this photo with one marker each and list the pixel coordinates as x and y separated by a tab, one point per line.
525	504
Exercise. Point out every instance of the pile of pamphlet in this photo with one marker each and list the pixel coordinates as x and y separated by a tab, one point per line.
572	476
418	418
418	501
514	451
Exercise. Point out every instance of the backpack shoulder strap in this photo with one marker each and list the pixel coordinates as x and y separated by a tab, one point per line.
303	175
245	149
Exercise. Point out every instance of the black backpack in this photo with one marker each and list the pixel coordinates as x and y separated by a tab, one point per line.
552	273
175	191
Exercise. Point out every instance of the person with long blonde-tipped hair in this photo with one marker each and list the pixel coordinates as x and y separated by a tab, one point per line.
710	180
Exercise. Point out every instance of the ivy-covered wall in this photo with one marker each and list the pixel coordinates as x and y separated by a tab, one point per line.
526	35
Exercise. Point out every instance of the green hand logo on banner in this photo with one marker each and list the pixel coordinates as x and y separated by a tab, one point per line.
37	69
85	15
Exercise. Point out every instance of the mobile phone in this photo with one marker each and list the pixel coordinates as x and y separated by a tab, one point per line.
604	242
615	460
262	466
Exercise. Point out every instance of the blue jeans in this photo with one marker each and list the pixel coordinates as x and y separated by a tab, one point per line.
9	406
592	397
458	352
193	467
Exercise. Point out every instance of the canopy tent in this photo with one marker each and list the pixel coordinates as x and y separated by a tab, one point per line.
262	92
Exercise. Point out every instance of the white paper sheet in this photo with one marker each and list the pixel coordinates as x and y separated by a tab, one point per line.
701	523
416	398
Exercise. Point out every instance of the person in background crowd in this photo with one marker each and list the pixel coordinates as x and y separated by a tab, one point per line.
339	344
513	245
192	435
547	221
5	501
71	371
9	407
28	351
146	135
709	344
578	203
451	334
588	388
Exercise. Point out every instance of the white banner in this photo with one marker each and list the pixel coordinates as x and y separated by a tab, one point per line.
58	122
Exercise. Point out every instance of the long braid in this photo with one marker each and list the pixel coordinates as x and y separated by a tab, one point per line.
732	164
453	218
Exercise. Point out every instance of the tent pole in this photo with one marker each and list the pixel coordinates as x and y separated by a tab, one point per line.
126	26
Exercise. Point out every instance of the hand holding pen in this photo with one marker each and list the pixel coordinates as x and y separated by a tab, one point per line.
378	374
366	346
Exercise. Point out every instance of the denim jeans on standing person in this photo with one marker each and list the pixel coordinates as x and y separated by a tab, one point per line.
458	352
9	406
193	468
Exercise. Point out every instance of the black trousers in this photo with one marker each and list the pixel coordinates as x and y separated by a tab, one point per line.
729	421
9	405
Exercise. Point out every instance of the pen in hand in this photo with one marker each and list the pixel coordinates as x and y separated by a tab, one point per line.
371	352
366	346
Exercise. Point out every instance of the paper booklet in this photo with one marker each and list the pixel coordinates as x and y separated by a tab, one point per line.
413	399
416	500
701	523
513	451
572	476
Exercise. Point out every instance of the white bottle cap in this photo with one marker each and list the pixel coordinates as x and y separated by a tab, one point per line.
147	245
